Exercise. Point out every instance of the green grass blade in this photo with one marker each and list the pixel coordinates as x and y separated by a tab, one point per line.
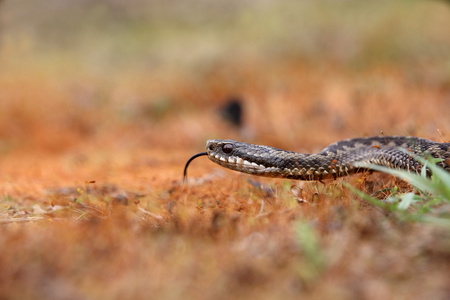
433	186
368	198
406	201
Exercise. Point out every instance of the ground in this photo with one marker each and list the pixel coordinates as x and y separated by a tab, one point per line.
92	201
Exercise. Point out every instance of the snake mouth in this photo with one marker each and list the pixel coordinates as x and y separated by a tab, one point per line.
234	162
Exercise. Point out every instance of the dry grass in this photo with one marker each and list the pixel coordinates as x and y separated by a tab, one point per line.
213	238
137	232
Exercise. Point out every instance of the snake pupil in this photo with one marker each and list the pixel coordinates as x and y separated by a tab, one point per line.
227	148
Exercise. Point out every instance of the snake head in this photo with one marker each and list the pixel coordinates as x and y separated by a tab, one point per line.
231	154
236	155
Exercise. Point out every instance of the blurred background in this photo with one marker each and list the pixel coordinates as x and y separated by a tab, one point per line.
103	102
162	74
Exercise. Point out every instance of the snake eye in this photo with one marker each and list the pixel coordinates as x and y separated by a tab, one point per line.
227	148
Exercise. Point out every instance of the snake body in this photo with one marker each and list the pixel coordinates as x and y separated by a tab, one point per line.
338	159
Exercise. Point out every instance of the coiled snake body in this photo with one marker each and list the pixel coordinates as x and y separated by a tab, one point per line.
338	159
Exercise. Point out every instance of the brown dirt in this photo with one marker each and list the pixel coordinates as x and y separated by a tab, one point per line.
137	232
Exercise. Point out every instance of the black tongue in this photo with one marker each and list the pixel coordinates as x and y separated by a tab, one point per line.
189	161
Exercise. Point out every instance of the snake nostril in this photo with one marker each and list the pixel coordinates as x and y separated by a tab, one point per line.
227	148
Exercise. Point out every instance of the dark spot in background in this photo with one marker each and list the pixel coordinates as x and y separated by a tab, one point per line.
232	111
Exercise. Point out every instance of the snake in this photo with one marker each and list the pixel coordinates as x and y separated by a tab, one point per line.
339	159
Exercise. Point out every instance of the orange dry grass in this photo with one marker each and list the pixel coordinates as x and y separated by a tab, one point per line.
138	233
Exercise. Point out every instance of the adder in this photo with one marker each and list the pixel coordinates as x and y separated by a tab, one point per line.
339	159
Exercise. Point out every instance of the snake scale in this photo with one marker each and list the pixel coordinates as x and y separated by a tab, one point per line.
339	159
